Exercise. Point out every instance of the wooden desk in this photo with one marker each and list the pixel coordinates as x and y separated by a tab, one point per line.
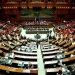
64	60
25	62
5	48
45	47
26	57
63	42
34	71
4	67
50	41
35	57
70	52
22	56
54	41
0	39
69	59
57	42
49	57
52	56
28	53
72	46
69	43
18	70
45	43
37	26
5	43
1	51
32	50
53	69
13	44
52	52
50	49
22	41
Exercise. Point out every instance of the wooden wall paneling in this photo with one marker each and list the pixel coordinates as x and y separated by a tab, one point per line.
69	1
68	17
7	11
3	1
11	8
58	18
3	17
49	5
34	71
37	4
11	11
65	10
13	19
15	11
30	0
24	5
60	11
73	11
56	11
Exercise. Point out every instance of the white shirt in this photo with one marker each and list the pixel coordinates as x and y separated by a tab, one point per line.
11	55
19	49
72	55
59	56
4	37
23	48
64	70
60	62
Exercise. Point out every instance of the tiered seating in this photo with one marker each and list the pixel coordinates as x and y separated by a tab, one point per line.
12	59
19	55
65	44
49	62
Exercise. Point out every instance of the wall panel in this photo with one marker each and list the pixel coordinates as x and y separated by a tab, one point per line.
68	9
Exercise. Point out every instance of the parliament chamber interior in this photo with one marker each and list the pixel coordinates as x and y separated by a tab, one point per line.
37	37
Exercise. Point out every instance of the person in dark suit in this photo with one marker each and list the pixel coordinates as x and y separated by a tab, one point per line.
30	66
59	72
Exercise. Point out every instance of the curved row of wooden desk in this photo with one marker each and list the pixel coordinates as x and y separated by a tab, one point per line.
49	49
48	55
7	49
28	53
12	69
65	44
18	70
35	70
64	60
